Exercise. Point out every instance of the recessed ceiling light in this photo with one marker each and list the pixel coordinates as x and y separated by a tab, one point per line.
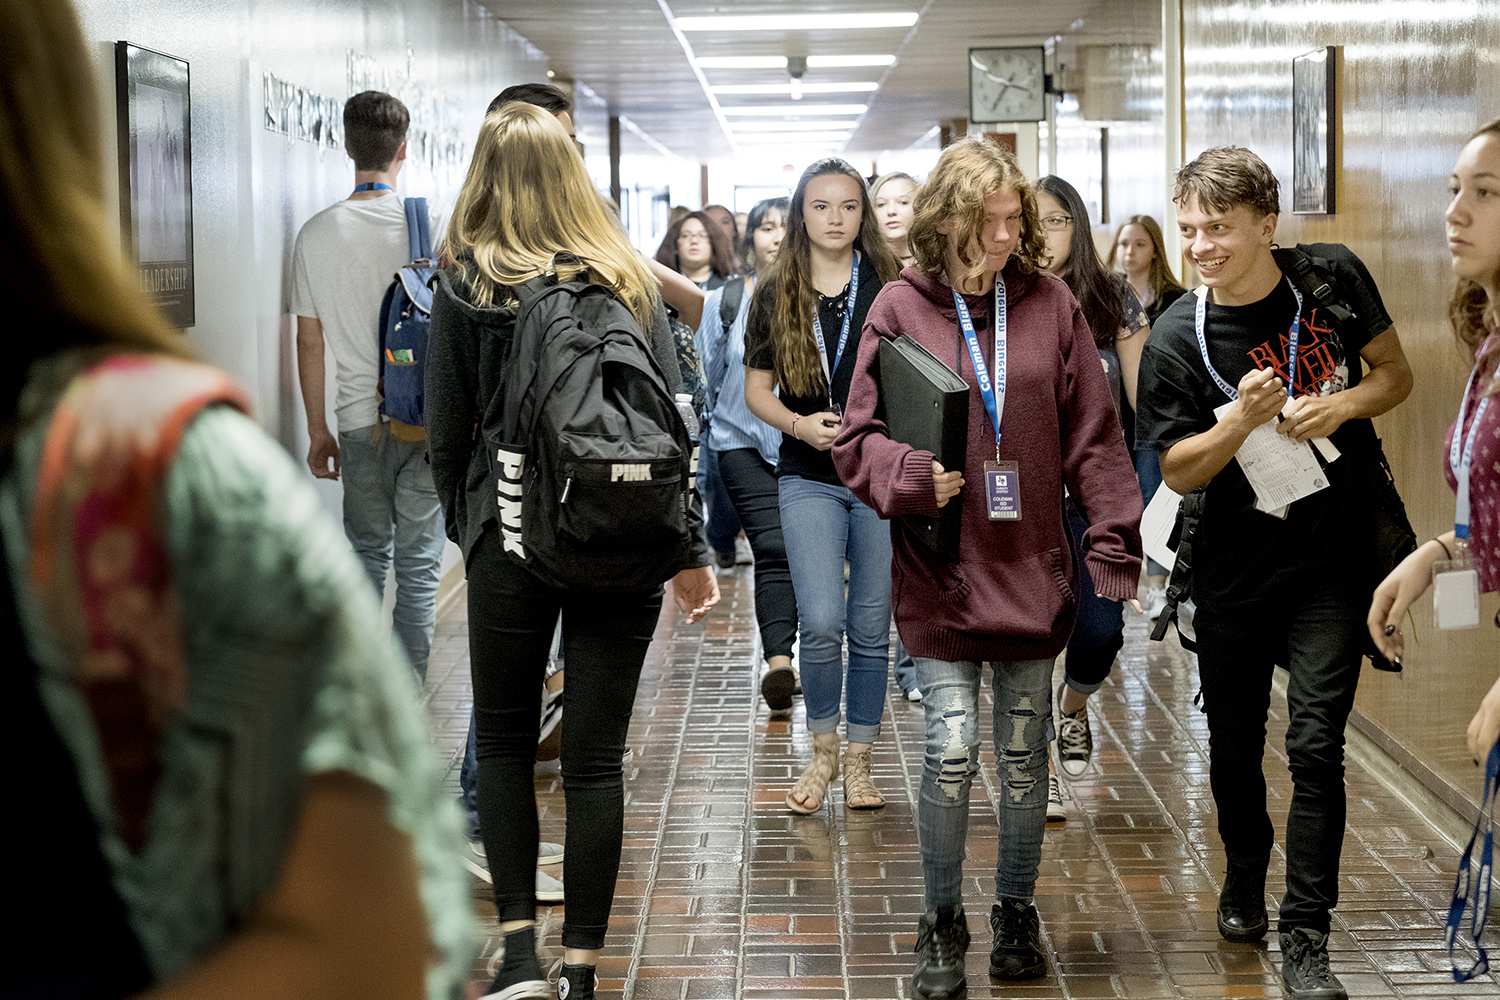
796	22
839	62
813	126
861	87
797	110
741	62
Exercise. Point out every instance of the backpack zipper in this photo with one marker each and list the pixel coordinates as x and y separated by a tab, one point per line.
566	487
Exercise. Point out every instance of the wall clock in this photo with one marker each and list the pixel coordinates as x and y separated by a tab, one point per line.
1007	84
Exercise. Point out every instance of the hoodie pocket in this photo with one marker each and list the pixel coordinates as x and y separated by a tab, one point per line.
1027	598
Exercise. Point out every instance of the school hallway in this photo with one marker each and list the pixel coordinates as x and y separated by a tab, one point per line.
725	894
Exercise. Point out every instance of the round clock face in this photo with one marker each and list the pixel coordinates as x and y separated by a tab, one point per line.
1006	85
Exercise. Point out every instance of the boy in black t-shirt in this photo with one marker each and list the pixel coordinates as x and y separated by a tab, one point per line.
1288	587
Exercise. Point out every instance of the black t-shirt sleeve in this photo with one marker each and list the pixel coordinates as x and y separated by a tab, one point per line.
1169	406
758	351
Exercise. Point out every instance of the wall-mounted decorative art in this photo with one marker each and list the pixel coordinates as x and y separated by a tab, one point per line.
156	175
1314	128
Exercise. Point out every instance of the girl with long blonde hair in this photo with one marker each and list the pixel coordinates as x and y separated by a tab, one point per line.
527	208
801	337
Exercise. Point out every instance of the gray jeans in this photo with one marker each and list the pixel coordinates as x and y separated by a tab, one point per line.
391	510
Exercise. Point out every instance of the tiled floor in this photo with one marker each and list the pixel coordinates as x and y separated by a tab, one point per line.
724	894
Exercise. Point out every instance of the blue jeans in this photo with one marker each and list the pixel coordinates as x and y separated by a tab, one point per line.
906	670
722	523
1099	630
1022	728
1148	472
391	504
823	525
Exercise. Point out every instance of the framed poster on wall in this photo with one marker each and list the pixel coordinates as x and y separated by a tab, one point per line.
156	175
1314	126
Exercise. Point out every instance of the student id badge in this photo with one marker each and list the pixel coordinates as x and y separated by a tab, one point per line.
1002	491
1455	593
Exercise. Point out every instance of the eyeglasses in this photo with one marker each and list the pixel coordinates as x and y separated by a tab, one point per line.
690	237
1057	223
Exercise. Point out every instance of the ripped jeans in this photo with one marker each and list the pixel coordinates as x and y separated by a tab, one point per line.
1022	731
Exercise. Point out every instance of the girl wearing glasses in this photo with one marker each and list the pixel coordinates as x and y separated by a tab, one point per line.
1119	329
801	338
697	248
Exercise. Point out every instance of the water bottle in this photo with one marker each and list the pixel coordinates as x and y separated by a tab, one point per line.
689	416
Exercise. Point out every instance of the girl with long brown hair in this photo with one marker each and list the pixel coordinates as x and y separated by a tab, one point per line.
801	337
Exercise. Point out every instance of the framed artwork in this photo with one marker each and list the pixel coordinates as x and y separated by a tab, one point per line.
156	175
1314	126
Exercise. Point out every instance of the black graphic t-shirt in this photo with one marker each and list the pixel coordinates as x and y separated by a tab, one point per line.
798	458
1243	555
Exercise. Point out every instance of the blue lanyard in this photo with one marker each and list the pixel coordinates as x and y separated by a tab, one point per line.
992	393
844	335
372	186
1460	462
1200	321
1468	882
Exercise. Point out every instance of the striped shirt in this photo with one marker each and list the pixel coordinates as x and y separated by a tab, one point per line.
732	425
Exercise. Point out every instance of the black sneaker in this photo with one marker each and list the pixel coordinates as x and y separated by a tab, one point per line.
1075	738
1017	952
520	975
942	939
777	687
1242	904
1304	966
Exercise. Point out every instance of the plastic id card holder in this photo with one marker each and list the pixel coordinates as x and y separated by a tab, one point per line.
1002	491
1455	594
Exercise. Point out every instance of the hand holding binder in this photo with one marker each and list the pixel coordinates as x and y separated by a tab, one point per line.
927	406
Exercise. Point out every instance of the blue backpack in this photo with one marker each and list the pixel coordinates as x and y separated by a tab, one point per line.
405	316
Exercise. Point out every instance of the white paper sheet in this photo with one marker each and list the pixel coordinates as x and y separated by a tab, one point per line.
1281	471
1156	525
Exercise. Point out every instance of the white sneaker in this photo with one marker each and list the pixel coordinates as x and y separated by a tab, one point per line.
1155	602
548	889
475	860
549	854
1055	811
915	694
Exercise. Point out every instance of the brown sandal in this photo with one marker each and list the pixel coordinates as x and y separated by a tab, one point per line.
814	781
857	783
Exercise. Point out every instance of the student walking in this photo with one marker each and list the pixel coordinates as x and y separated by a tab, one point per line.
526	202
344	258
893	194
1040	416
1288	587
748	449
802	335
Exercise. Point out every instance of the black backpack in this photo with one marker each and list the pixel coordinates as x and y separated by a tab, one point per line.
593	465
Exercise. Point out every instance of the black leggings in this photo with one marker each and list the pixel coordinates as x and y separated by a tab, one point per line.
752	489
511	619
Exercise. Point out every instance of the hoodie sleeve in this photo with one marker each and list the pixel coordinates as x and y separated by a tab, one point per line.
890	477
451	391
1096	465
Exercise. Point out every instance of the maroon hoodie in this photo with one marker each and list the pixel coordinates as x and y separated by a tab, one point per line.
1010	595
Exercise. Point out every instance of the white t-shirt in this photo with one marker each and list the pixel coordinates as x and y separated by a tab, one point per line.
345	258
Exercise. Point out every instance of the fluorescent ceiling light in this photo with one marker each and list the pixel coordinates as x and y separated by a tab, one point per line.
814	126
793	139
862	87
797	110
741	62
796	22
839	62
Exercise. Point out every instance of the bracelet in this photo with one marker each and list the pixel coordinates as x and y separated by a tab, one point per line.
1444	548
794	426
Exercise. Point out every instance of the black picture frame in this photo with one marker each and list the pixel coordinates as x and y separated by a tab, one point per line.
1314	130
154	128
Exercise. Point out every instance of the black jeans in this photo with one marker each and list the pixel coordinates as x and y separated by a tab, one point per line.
752	489
511	618
1098	631
1318	636
721	524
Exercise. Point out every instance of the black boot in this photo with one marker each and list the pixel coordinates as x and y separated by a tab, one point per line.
942	938
1242	904
576	982
1017	952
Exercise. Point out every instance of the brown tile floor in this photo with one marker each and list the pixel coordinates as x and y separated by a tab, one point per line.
724	894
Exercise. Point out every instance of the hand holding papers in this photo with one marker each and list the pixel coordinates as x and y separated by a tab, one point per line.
1280	470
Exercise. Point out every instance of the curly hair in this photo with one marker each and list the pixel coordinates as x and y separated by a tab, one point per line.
968	172
1470	310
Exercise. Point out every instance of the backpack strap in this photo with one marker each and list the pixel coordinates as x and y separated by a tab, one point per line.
1314	277
1180	585
418	239
732	295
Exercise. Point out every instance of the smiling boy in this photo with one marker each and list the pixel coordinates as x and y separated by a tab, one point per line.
1287	588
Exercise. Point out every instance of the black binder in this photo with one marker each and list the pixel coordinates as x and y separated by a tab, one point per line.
926	405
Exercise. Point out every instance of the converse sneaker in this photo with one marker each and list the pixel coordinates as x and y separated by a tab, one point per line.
1055	811
573	982
1017	951
520	975
1304	966
1075	738
942	938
